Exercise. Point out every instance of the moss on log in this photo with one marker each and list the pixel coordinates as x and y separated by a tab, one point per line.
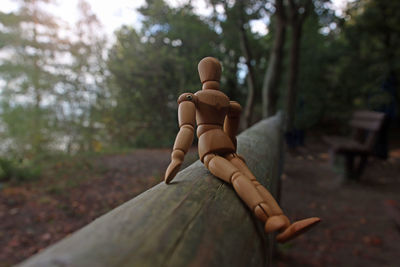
197	220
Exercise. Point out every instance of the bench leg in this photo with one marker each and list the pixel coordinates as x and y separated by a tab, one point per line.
361	165
349	172
332	157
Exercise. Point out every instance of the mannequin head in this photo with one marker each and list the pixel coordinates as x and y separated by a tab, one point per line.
210	73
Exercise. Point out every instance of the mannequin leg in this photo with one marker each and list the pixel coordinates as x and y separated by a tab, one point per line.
246	189
266	195
290	231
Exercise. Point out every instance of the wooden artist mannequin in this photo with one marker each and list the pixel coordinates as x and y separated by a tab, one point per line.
217	121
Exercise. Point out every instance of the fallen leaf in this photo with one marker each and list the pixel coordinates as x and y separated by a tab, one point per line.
46	237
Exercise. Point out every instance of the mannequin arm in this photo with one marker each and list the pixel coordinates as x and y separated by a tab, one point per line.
231	123
184	138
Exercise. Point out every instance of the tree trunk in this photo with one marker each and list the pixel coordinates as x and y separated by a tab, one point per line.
293	76
298	14
36	137
251	77
273	74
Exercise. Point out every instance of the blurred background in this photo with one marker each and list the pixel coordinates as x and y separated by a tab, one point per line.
88	111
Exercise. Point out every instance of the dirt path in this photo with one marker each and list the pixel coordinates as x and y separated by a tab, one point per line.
355	230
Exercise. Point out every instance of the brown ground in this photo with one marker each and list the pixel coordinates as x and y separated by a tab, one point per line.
356	230
35	215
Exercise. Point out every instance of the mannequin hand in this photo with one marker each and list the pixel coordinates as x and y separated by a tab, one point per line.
172	170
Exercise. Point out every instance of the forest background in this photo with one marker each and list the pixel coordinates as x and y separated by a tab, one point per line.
71	89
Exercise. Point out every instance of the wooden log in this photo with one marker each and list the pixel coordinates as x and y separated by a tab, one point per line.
197	220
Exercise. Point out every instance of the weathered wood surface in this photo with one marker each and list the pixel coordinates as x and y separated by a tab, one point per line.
197	220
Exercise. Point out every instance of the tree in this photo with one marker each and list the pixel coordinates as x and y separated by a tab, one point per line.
370	39
274	71
31	71
297	14
242	19
317	56
240	45
85	83
151	68
362	60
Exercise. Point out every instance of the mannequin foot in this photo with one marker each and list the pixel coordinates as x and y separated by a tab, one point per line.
276	223
296	228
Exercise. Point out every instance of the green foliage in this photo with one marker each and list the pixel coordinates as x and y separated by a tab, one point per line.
49	103
18	170
93	103
345	69
363	56
316	57
231	52
85	90
24	131
151	68
30	38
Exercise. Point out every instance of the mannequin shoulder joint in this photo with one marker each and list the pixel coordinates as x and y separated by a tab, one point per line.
187	97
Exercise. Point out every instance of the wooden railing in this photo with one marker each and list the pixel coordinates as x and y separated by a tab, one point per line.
197	220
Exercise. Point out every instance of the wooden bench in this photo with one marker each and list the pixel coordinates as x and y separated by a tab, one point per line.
365	129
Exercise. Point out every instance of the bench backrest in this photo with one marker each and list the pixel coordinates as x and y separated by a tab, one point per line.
366	125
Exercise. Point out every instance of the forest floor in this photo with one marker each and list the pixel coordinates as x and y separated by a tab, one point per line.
355	231
356	228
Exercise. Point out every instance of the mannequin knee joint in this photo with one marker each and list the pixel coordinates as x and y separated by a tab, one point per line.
207	159
235	175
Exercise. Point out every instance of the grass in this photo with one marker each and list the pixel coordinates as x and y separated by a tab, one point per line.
18	170
51	172
70	171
